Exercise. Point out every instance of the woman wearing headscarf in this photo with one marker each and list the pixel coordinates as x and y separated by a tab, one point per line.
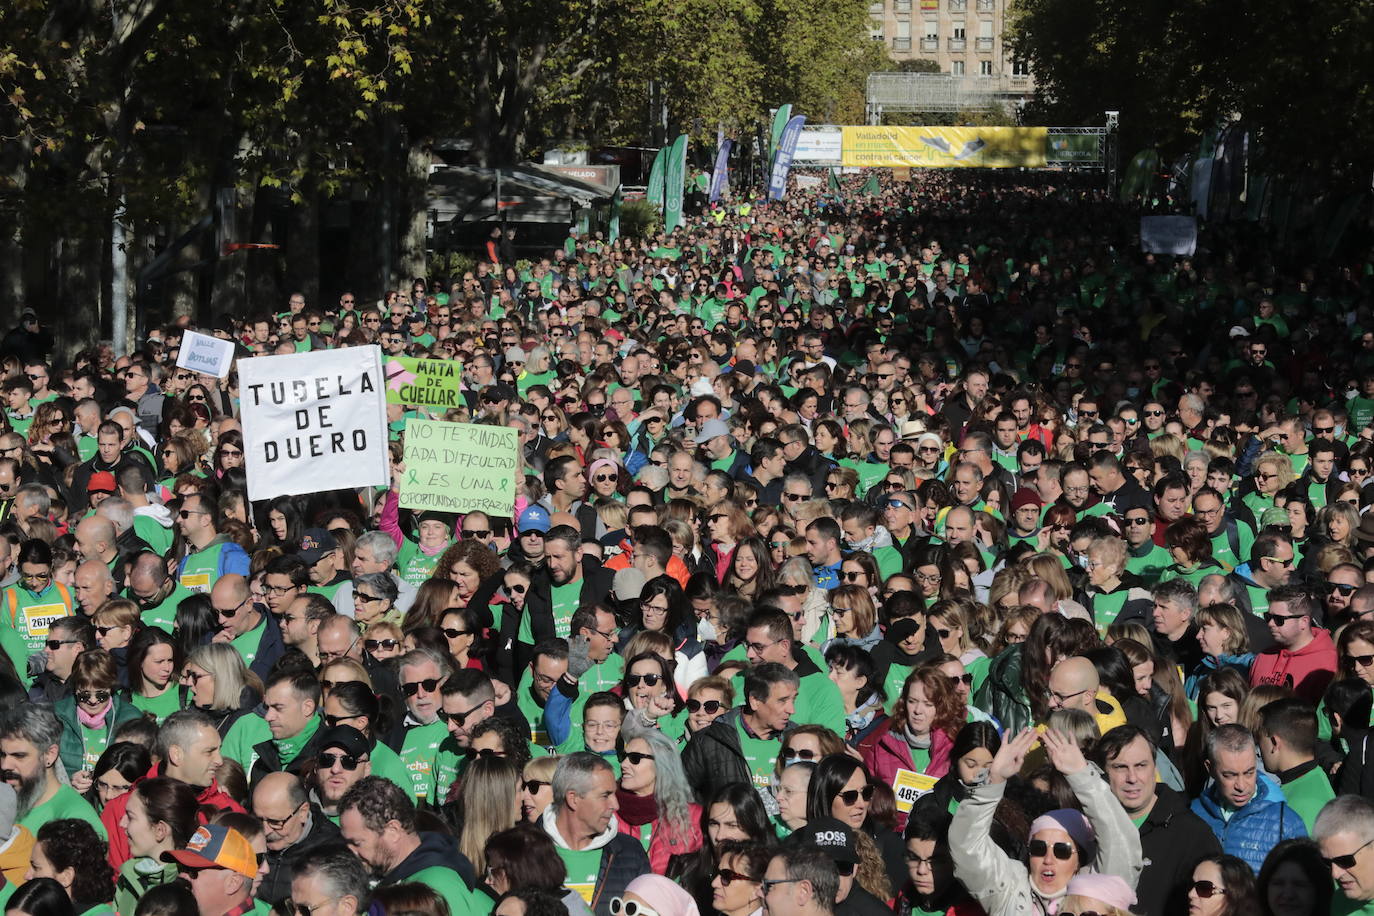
1100	839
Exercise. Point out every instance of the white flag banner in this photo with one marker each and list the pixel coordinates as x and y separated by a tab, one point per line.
205	354
314	421
1168	234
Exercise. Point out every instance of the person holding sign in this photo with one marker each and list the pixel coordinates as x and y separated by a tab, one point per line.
210	554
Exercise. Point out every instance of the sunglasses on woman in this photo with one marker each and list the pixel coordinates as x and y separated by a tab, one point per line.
1206	889
711	706
1039	848
728	875
851	797
634	680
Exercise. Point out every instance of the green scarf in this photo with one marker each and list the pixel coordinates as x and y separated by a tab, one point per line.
288	748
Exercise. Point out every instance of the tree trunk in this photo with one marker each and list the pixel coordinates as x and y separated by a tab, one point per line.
303	247
413	217
230	290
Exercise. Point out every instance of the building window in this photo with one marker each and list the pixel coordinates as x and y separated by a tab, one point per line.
956	68
1020	68
985	68
932	29
959	30
984	28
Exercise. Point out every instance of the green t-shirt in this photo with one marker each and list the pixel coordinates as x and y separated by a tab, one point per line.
387	764
414	565
201	569
160	706
582	865
418	753
30	615
1149	563
565	599
67	802
153	534
248	643
164	615
245	734
759	754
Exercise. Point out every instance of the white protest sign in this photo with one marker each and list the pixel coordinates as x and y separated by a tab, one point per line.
314	421
1168	234
205	354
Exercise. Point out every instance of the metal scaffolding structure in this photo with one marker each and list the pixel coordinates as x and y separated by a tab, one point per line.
940	92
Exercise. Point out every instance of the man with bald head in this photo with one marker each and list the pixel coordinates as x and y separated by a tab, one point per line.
155	592
93	586
211	554
96	539
245	625
293	826
339	637
1074	684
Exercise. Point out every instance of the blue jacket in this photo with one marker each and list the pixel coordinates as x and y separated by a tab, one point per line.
1255	829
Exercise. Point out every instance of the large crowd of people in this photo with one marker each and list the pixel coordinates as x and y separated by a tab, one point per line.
927	552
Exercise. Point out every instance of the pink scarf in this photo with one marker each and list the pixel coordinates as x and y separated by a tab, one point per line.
97	720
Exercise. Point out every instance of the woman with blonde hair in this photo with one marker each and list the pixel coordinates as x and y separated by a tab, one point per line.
220	684
342	671
796	573
490	804
536	787
1273	473
955	624
1225	642
853	618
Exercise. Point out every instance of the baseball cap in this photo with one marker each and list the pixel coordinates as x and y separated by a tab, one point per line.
215	846
315	543
711	429
101	482
346	738
535	518
515	355
830	837
1275	516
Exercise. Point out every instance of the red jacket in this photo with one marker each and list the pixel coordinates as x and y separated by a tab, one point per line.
661	848
212	795
1307	671
885	752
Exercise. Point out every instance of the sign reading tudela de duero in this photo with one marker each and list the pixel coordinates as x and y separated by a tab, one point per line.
314	421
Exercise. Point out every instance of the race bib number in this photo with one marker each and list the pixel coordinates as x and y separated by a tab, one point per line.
909	786
584	891
38	617
196	582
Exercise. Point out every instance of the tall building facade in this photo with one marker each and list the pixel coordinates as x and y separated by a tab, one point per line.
964	37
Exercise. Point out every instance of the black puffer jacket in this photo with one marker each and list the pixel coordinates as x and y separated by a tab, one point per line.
713	757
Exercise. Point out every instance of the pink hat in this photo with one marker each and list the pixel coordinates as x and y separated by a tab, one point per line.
1108	889
600	463
664	895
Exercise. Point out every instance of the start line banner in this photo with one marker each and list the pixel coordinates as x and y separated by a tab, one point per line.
944	147
460	467
314	421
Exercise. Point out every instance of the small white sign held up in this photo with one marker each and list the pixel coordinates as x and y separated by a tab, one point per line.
314	421
205	354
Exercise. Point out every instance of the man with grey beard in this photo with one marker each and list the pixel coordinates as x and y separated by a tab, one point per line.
31	764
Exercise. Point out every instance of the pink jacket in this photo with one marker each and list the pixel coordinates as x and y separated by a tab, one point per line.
885	752
662	849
